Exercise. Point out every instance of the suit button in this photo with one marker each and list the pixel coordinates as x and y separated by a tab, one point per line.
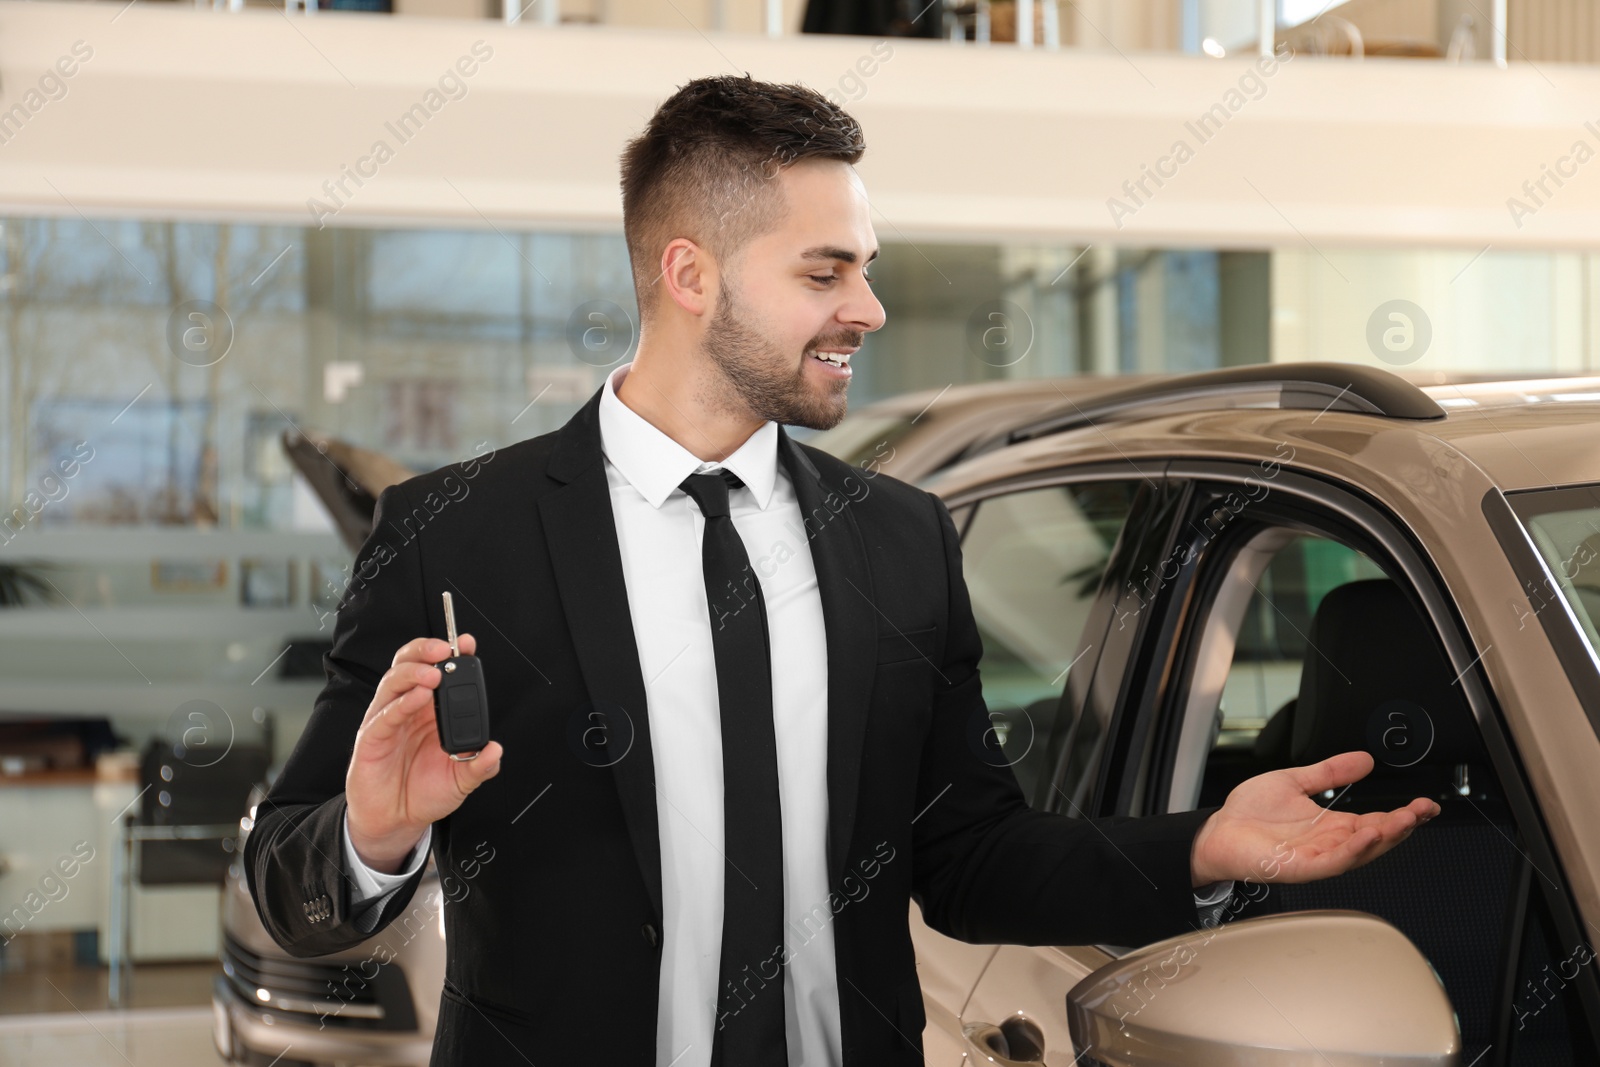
648	932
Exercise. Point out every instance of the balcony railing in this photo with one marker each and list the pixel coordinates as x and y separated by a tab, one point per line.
1343	27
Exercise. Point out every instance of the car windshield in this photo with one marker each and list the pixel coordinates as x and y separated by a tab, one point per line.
1564	525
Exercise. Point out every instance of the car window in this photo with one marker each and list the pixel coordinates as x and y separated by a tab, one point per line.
1564	525
1033	563
1306	648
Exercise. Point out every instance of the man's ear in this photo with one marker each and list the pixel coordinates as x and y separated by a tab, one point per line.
688	274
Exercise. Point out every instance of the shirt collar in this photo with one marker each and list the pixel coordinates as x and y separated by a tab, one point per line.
655	464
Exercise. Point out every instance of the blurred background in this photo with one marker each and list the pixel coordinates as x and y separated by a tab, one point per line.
231	230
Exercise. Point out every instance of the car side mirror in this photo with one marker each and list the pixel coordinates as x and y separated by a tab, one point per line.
1339	987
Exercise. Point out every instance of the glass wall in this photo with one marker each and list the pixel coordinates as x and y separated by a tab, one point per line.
187	349
162	364
182	352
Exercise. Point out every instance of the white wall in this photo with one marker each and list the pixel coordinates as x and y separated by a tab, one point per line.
183	113
1496	312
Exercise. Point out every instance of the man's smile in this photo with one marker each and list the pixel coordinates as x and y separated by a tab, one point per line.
836	359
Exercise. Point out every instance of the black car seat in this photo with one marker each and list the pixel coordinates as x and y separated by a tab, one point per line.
1375	678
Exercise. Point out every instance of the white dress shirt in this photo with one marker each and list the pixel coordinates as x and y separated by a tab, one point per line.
659	529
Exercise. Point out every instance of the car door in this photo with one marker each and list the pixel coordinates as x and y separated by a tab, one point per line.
1044	562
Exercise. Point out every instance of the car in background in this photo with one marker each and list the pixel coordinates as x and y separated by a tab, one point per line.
346	479
1188	582
915	435
374	1004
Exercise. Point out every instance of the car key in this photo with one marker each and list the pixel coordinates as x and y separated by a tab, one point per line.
460	703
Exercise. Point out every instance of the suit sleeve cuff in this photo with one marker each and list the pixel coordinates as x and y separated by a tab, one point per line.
367	884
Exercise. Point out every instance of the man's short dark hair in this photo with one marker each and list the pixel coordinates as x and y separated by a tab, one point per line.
703	166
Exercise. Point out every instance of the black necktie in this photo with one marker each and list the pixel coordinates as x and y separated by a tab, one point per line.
749	1026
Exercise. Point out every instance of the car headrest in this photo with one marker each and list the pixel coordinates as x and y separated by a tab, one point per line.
1375	678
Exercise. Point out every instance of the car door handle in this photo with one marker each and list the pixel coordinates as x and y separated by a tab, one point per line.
1018	1040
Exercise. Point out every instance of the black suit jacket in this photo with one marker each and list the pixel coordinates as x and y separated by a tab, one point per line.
554	933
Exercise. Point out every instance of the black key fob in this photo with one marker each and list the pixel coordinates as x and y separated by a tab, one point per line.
460	702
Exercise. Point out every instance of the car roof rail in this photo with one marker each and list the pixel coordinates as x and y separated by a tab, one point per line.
1302	386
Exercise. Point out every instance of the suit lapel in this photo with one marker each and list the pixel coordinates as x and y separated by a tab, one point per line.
850	620
580	530
582	536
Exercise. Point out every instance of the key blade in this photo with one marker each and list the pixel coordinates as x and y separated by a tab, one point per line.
450	626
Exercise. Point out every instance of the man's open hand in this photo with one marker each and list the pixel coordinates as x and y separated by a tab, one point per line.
1270	830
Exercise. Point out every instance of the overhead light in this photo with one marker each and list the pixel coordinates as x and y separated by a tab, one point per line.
1213	48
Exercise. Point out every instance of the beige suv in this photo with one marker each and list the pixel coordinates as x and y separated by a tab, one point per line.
1189	582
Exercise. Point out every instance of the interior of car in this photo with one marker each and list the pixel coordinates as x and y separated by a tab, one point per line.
1325	652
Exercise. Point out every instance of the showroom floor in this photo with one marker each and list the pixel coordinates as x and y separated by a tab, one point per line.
68	988
142	1037
60	1018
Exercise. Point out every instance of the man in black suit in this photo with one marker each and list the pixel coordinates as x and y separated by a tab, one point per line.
733	682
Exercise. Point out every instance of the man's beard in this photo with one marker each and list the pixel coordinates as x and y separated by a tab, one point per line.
760	374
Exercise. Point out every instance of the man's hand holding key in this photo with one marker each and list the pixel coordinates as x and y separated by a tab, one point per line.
400	780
